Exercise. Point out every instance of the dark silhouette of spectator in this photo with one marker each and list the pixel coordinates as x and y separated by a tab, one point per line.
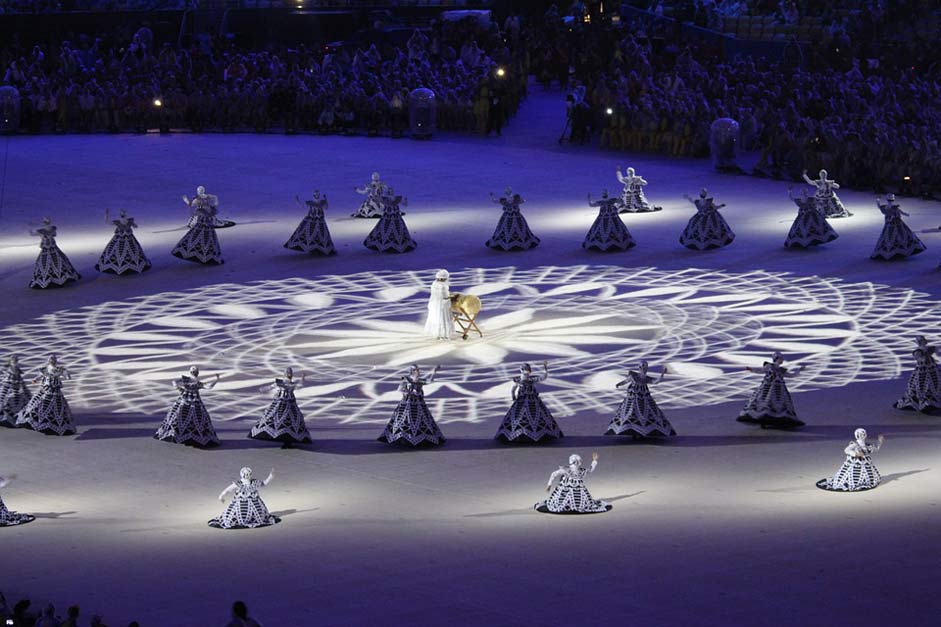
240	617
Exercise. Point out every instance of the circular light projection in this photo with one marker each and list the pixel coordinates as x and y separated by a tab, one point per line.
354	335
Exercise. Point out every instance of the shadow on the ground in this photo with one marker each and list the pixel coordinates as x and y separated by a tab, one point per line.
53	515
102	433
623	496
895	476
290	512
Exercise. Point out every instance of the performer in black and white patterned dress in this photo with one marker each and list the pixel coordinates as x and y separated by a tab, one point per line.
528	420
633	199
825	196
246	510
810	227
283	420
512	232
857	472
638	415
312	235
204	199
47	411
390	235
8	518
707	229
770	405
923	392
14	395
607	232
571	496
188	421
374	191
53	268
123	254
897	241
200	244
412	423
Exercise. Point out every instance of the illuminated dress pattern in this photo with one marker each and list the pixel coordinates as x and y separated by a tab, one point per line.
570	496
246	510
123	254
512	232
390	235
283	420
810	227
608	232
373	204
896	240
312	235
923	392
638	415
825	198
412	423
528	419
200	244
857	472
770	405
53	268
188	421
14	395
707	229
633	199
47	411
8	518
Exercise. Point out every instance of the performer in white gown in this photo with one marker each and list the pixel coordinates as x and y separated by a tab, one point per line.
439	323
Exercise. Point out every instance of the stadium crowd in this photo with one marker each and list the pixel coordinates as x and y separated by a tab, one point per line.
478	75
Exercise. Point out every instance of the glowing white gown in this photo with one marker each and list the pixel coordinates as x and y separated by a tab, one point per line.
439	323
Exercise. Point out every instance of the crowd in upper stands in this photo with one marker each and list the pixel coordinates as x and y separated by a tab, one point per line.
50	6
863	100
865	109
477	74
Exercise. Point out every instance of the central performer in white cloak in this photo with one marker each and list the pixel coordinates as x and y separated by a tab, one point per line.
439	323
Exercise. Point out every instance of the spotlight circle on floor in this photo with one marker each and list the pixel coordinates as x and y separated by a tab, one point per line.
354	335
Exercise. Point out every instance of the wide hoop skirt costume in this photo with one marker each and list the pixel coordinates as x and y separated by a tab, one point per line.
282	420
123	254
825	198
897	240
312	235
372	205
707	229
528	420
638	414
200	244
412	423
11	519
608	232
390	235
246	510
770	404
48	411
188	421
512	232
810	227
857	473
570	495
52	268
923	392
633	199
14	395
